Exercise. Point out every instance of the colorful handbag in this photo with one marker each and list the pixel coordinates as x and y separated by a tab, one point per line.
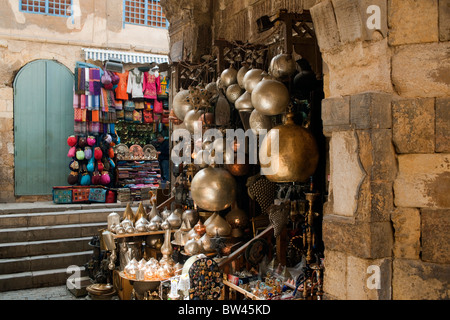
148	116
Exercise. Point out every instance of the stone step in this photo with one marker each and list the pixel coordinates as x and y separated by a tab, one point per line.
28	220
44	247
45	262
36	279
51	232
48	206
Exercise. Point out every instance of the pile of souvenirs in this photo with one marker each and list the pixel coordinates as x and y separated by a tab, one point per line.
151	270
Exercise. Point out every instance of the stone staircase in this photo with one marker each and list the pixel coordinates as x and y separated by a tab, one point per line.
39	241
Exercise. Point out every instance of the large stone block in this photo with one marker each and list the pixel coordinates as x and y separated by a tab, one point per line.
335	274
444	20
423	181
413	21
422	70
417	280
325	25
368	279
369	240
406	223
346	173
377	154
371	110
414	125
442	125
336	113
348	20
435	236
359	67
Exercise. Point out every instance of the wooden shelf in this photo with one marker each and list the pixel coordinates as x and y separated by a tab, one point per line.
239	289
141	234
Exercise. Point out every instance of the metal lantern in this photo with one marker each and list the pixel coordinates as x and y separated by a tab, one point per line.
233	92
270	97
180	104
259	122
240	76
297	157
244	102
282	66
252	78
192	120
229	76
213	189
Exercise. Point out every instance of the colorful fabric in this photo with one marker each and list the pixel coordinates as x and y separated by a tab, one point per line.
135	83
150	86
121	90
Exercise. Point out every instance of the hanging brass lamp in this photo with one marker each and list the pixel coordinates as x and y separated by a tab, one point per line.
297	157
213	189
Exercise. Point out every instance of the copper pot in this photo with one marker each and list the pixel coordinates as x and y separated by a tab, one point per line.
297	155
237	169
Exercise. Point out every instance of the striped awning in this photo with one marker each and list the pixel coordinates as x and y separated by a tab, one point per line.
125	57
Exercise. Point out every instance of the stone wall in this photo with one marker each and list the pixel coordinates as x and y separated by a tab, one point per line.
387	114
25	37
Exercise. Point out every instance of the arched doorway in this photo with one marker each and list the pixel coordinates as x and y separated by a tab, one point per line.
43	119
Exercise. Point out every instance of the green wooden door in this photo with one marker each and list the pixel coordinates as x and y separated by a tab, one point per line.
43	119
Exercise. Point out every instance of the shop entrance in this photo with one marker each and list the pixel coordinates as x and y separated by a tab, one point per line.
43	119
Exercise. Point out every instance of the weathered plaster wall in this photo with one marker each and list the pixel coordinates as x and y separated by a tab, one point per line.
25	37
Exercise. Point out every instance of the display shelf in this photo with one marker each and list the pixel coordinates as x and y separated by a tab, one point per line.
131	172
140	234
241	290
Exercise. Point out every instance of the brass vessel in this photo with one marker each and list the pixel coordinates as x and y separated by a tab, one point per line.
252	78
241	74
297	156
282	66
180	104
244	102
270	97
192	120
229	76
213	189
233	92
259	122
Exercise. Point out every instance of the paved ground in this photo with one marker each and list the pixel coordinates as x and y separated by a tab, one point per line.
51	293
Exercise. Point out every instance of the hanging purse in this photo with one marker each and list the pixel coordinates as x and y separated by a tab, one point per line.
157	107
148	116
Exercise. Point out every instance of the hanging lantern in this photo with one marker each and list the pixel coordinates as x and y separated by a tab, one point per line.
282	66
252	78
229	76
297	156
213	189
180	104
270	97
241	74
244	102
